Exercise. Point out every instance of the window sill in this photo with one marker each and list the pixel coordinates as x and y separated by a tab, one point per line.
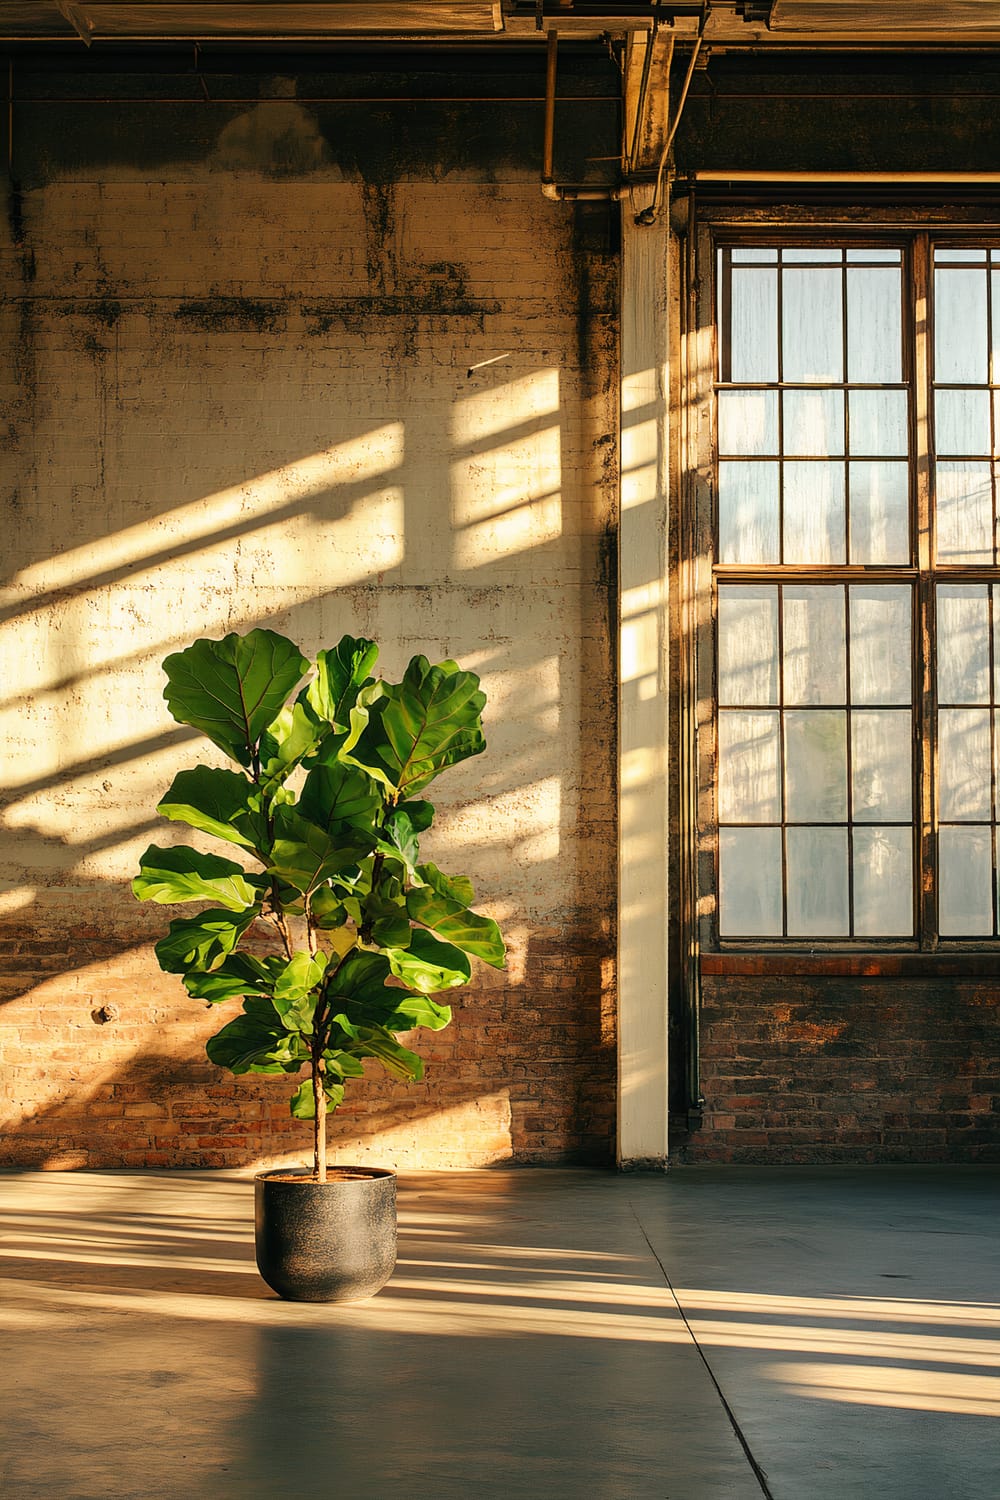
946	965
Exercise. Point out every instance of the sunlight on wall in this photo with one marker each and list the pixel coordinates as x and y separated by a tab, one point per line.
507	482
360	460
89	627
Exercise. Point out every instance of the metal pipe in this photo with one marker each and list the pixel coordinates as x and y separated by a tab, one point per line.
548	143
713	174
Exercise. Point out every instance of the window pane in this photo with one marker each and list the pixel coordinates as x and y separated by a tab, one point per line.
879	508
964	765
963	643
964	512
749	778
883	882
874	326
962	422
806	254
750	882
817	882
960	327
815	654
754	327
816	765
751	253
748	645
813	423
881	649
748	512
871	253
812	337
748	422
878	423
881	765
815	529
995	289
965	879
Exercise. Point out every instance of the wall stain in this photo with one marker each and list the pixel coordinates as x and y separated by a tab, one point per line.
232	314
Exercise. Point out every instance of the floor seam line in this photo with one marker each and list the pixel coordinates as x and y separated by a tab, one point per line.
758	1472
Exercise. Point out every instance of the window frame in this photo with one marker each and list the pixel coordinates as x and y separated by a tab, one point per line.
699	575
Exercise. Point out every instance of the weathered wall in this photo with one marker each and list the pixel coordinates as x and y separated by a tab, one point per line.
323	367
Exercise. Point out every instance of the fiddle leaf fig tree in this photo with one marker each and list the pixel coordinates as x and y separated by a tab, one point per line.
322	817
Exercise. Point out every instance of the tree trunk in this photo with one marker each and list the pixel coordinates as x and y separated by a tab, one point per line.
319	1125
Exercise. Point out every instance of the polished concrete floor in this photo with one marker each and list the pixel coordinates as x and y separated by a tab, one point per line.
715	1334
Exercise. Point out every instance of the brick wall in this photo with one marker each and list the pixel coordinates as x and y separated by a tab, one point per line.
808	1069
261	371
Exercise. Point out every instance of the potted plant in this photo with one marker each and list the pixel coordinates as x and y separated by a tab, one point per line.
330	930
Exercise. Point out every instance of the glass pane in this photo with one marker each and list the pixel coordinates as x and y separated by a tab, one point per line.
964	512
881	765
816	765
962	422
813	423
881	643
748	645
815	654
996	644
812	335
874	326
965	880
750	882
751	253
995	288
748	422
963	643
960	327
883	882
964	765
880	513
869	253
753	330
878	423
814	513
806	254
748	512
953	252
817	882
749	777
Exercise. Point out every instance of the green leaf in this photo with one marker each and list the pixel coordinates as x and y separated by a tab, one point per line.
294	992
474	934
202	942
360	980
337	794
232	689
400	837
305	855
237	977
429	965
340	674
285	742
419	1010
455	887
249	1044
219	802
425	723
183	874
396	1059
303	1101
326	909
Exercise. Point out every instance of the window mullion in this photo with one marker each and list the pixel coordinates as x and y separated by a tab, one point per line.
925	694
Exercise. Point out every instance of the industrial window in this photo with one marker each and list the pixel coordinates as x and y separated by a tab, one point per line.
852	771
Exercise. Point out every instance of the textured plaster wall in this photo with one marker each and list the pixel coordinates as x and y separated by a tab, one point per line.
244	383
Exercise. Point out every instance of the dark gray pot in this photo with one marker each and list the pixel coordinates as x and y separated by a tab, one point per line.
329	1241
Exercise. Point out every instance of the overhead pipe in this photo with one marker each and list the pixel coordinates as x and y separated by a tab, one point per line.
756	175
550	189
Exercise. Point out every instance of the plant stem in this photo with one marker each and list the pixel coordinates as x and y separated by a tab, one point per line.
319	1124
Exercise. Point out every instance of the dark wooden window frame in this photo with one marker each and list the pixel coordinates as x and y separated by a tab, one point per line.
697	576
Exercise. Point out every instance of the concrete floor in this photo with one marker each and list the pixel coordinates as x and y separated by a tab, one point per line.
715	1334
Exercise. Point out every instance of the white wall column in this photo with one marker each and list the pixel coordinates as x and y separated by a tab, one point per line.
643	668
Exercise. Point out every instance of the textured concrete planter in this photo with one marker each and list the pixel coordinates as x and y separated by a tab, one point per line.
326	1242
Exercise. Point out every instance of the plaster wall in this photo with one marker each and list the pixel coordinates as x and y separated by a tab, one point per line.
271	380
